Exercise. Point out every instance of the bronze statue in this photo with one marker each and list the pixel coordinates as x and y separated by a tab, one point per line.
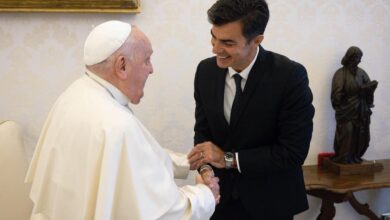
352	97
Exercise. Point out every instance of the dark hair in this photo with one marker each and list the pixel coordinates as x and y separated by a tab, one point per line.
253	14
352	51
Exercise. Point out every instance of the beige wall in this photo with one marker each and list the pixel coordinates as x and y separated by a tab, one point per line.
41	54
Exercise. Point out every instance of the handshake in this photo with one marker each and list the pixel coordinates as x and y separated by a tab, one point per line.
207	177
203	154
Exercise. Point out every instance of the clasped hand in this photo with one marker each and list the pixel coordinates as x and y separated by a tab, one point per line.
207	177
206	153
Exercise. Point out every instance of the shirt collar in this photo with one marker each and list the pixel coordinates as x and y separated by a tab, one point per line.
245	72
115	92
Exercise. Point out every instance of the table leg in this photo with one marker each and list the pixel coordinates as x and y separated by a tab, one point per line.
328	211
362	209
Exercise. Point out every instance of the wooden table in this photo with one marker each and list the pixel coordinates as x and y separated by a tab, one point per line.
332	188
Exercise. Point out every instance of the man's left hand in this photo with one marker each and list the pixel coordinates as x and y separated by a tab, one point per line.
206	152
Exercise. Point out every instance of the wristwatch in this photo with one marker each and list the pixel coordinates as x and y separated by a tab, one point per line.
229	160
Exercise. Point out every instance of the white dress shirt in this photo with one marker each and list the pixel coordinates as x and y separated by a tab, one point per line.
230	91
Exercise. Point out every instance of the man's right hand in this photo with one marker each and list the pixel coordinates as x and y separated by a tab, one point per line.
211	182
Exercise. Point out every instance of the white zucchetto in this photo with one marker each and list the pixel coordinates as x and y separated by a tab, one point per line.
104	40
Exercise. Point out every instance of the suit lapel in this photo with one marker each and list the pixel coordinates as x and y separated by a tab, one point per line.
254	78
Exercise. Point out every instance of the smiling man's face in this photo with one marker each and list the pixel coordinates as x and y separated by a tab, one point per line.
231	47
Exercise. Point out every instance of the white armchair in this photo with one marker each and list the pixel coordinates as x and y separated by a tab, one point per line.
14	200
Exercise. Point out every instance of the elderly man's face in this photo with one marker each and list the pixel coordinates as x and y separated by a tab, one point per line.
140	68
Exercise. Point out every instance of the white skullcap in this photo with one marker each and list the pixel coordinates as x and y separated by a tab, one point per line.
104	40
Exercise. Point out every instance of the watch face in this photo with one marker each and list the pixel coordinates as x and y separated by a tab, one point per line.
229	156
228	159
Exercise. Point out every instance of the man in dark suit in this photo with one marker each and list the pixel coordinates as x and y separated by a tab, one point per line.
255	137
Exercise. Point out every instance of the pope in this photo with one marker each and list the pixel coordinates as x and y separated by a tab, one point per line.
95	160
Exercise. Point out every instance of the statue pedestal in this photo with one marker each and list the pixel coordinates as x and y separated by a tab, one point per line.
367	167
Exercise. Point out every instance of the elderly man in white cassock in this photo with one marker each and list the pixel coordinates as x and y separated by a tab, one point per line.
95	160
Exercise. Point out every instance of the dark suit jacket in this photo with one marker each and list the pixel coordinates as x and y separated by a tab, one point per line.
272	134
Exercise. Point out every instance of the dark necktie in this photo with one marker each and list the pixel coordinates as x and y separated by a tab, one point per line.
237	97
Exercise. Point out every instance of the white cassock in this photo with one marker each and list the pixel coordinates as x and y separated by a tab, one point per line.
95	160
